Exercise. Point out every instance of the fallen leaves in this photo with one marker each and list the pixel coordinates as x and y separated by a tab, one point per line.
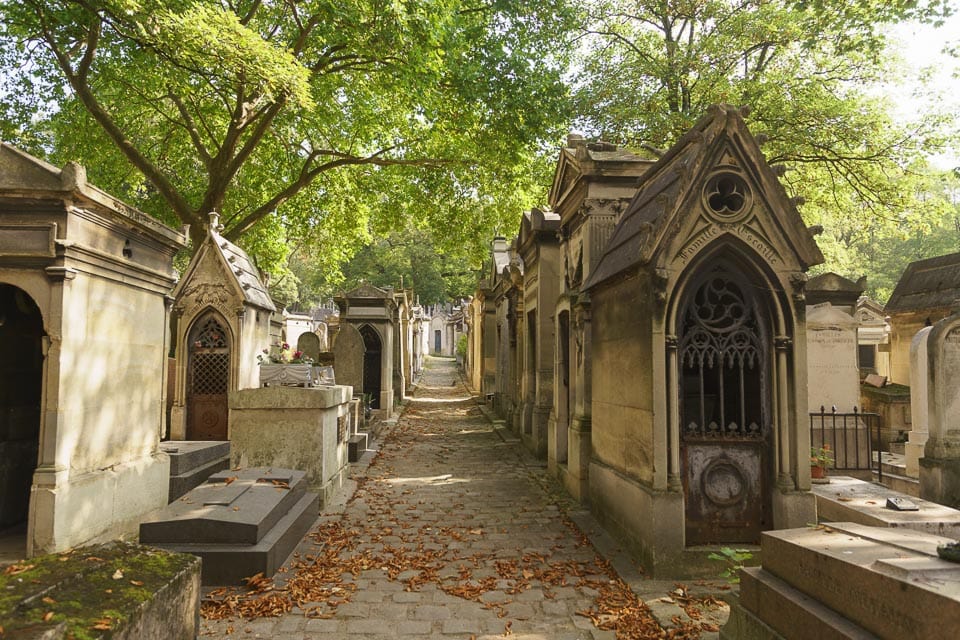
15	569
397	534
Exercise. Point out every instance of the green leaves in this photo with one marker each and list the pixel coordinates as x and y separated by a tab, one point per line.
310	121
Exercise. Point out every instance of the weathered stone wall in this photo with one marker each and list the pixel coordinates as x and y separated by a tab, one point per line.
623	385
293	428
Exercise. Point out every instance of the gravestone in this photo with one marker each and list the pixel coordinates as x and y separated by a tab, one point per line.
919	412
833	377
847	581
348	353
940	466
309	344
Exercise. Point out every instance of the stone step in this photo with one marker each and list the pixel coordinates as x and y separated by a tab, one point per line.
186	455
184	482
847	499
232	507
357	446
899	482
857	569
229	564
768	600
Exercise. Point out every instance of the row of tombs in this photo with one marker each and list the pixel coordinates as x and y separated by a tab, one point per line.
91	311
653	334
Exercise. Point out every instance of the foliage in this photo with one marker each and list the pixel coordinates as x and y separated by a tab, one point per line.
808	70
462	345
301	122
733	560
411	258
821	456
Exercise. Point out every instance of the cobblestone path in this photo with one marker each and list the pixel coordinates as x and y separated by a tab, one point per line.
452	531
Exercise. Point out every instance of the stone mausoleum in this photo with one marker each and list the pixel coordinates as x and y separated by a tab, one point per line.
223	313
84	310
699	405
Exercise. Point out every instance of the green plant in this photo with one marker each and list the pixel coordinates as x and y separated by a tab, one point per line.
462	345
733	560
821	456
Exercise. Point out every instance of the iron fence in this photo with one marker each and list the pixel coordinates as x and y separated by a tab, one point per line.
850	437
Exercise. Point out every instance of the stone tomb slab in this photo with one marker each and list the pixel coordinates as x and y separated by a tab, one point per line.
889	582
241	522
846	499
232	507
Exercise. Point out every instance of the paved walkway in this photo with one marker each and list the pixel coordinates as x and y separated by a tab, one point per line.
454	531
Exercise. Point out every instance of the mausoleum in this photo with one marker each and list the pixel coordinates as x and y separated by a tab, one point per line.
84	310
370	311
223	314
699	396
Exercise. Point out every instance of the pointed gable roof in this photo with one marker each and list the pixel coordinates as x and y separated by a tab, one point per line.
670	187
927	284
242	276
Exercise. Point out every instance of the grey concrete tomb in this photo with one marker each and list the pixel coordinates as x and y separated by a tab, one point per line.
240	522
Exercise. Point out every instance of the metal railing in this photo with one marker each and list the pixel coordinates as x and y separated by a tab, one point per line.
850	437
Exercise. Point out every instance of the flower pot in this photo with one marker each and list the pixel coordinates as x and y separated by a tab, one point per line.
818	472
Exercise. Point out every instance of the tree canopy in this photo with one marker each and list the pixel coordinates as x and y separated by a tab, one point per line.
307	120
806	69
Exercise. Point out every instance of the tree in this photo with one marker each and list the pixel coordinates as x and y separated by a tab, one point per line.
804	67
408	258
276	113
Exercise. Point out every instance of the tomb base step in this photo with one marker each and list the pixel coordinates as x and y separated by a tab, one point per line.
357	446
847	499
186	455
182	483
900	482
233	507
770	609
229	564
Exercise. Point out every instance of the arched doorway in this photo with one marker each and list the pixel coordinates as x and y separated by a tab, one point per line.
563	389
723	349
21	385
372	364
208	378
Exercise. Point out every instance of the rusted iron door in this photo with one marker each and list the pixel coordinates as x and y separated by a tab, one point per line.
208	380
724	409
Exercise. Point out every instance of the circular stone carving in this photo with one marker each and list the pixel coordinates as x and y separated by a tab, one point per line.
727	196
723	483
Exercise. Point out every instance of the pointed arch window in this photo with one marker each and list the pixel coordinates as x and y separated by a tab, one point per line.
722	359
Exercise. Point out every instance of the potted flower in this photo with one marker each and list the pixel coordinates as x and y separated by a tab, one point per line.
285	366
820	457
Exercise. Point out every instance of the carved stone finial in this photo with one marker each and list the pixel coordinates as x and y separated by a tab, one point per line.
214	221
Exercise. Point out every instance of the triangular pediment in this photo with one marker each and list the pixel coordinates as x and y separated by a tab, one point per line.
367	290
20	171
221	274
714	183
564	177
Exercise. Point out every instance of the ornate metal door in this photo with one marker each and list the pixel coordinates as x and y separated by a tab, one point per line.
724	408
372	365
208	380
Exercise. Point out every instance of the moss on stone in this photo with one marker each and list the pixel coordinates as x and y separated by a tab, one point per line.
98	586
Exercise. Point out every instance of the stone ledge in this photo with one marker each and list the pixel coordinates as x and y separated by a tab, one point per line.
132	591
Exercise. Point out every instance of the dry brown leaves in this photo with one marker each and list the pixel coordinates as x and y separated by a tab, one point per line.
389	539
